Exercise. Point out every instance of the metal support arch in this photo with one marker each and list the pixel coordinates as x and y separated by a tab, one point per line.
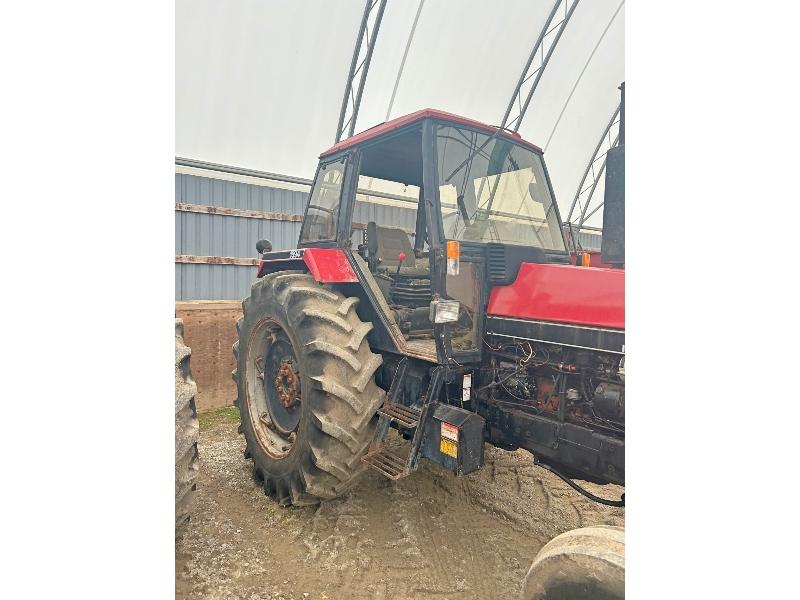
597	173
580	76
527	73
365	44
547	34
597	177
620	141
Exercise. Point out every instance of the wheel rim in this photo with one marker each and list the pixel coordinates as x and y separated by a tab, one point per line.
273	388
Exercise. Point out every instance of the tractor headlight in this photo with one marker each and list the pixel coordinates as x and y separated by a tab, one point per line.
444	311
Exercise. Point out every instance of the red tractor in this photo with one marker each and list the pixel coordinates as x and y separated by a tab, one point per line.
431	291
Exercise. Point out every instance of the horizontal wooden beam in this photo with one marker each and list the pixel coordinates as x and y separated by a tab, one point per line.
216	260
361	226
255	214
237	212
184	305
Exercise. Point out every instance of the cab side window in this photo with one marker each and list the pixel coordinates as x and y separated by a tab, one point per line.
322	214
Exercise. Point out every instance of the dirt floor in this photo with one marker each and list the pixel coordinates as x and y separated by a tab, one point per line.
429	536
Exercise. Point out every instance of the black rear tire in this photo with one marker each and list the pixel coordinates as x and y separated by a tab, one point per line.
337	398
187	464
582	564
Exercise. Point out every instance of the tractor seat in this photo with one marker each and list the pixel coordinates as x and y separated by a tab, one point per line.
391	241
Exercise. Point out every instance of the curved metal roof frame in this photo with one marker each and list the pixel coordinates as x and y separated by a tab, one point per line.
365	43
599	154
527	72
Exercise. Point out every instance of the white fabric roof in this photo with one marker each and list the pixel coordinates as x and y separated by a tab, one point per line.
259	83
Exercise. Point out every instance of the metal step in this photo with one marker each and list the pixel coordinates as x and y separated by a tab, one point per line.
403	415
386	463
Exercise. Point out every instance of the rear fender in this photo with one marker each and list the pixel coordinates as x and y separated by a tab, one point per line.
333	266
326	265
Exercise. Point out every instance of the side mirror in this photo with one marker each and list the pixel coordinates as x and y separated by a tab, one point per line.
263	246
533	192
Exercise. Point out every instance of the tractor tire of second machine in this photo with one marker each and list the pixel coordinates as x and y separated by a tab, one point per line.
187	431
306	388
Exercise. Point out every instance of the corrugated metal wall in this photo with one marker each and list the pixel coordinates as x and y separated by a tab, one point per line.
590	240
201	234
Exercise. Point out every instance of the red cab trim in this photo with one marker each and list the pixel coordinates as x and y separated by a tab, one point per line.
329	265
425	113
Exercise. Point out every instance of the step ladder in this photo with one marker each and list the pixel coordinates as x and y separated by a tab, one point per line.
406	417
409	418
387	463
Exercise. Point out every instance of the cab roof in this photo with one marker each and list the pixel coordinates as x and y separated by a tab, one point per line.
425	113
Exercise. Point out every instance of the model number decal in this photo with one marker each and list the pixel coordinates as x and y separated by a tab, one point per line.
295	253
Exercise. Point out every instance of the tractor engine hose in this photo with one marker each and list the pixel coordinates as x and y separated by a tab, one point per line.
579	489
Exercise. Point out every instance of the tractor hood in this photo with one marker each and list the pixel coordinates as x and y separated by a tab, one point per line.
587	296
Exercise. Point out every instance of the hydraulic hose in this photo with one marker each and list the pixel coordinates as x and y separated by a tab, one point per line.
579	489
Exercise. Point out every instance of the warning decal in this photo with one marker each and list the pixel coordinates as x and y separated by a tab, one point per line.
449	432
448	447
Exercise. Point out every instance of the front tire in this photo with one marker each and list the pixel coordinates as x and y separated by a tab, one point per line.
582	564
306	389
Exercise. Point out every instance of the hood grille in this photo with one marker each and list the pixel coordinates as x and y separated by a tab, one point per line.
496	263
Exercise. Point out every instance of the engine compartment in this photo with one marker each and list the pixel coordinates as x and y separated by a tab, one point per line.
556	372
583	387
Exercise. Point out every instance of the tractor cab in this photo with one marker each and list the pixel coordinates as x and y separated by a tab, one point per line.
432	211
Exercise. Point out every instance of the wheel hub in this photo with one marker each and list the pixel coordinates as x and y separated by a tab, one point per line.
280	377
287	384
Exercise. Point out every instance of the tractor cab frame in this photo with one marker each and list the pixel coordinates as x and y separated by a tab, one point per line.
436	154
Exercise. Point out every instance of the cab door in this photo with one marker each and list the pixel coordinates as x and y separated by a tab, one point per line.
457	274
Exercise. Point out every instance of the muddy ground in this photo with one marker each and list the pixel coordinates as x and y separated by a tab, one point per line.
429	536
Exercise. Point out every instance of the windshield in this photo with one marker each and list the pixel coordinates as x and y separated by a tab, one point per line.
492	190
